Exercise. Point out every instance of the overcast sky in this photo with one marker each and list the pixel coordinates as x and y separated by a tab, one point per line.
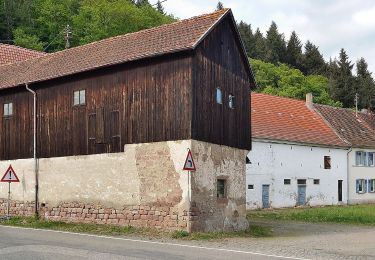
330	24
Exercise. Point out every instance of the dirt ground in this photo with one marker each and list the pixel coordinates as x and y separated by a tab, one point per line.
307	241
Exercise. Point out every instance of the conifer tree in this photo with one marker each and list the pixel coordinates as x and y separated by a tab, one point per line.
342	81
160	7
313	61
276	48
365	85
294	51
219	6
247	38
260	48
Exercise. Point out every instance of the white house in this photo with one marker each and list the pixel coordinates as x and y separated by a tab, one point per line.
359	130
296	158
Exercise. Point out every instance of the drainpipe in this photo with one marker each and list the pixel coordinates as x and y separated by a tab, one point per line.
34	156
347	174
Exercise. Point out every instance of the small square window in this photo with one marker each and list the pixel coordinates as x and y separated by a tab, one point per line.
316	181
231	101
286	181
221	189
250	186
79	97
8	109
219	96
327	162
301	182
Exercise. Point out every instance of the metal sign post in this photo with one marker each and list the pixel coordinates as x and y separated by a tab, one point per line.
189	166
9	176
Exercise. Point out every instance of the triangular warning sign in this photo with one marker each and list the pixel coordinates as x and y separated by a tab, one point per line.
189	162
10	176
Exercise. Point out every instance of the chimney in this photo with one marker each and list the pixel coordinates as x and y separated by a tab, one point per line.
309	101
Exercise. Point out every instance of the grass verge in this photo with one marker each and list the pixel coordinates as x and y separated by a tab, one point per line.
112	230
354	214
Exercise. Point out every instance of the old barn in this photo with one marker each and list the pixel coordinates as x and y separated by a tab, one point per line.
113	122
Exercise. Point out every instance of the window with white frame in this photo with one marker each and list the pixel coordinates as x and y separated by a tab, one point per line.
219	96
363	158
361	186
79	97
8	109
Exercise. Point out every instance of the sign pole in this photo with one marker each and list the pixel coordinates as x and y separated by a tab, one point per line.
8	217
189	166
189	199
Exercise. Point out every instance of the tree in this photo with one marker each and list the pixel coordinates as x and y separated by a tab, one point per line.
219	6
294	52
260	46
142	2
365	85
276	48
342	80
313	61
247	38
160	7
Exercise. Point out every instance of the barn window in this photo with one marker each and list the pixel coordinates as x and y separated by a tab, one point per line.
250	186
301	182
221	188
231	101
8	109
79	97
219	96
286	181
327	162
316	181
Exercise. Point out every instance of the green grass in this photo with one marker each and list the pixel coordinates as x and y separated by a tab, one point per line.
356	214
112	230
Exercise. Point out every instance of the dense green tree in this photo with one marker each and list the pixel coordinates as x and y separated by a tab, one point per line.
313	61
294	51
342	80
142	2
276	48
365	85
282	80
247	38
260	46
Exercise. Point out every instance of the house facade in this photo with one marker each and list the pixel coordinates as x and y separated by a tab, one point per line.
113	123
359	130
296	158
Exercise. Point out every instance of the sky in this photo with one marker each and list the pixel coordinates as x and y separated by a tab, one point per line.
329	24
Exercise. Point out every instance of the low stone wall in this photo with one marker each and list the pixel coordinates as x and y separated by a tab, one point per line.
167	218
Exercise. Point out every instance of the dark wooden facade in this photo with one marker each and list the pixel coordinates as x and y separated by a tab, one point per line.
171	97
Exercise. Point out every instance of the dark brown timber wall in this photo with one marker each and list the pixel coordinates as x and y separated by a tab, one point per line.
137	102
219	63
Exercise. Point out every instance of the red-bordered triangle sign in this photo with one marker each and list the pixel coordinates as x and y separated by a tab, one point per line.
189	162
10	175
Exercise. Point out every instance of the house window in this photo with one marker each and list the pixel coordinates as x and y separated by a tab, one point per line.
286	181
371	185
327	162
219	96
301	182
8	109
316	181
221	189
231	101
79	97
361	185
250	186
364	158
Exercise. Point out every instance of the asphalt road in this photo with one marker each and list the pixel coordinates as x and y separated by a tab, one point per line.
20	243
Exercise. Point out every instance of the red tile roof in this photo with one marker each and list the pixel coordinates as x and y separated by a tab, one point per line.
11	54
170	38
358	130
285	119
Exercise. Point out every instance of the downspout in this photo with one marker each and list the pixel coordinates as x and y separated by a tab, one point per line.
34	153
347	174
